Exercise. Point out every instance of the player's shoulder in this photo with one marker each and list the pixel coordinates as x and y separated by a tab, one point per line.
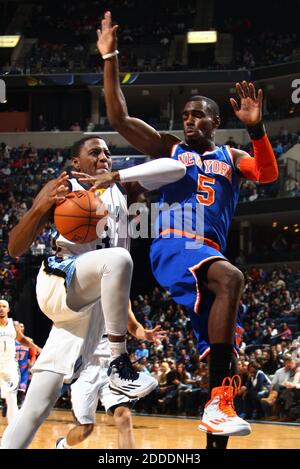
168	141
236	154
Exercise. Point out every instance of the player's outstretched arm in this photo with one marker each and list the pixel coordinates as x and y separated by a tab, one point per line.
263	167
30	225
151	175
137	132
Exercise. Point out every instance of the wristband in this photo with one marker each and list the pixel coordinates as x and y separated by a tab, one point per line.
110	54
256	131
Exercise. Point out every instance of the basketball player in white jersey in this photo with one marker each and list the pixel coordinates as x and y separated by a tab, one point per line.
10	331
92	386
79	283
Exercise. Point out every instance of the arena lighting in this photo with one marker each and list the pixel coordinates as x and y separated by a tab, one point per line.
9	41
201	37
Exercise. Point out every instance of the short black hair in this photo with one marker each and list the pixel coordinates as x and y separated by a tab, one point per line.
211	104
76	147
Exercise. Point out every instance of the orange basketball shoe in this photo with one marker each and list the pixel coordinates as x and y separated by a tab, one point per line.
219	416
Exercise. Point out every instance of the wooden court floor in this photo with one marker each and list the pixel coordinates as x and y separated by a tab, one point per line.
155	432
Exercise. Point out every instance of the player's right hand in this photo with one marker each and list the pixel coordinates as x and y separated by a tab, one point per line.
107	35
53	192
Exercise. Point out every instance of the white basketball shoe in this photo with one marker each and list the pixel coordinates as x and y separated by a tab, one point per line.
219	417
124	379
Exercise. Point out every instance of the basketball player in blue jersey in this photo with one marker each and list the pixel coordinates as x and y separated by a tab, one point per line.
190	262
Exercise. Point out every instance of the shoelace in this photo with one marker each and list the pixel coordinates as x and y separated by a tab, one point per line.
230	388
125	368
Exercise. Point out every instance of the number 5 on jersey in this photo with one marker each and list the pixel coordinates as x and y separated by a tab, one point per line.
208	193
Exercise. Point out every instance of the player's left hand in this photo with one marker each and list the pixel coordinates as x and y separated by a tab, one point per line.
154	335
250	110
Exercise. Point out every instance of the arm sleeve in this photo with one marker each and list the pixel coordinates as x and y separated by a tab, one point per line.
154	174
263	167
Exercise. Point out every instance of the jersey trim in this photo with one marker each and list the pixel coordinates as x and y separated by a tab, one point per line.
56	272
204	354
207	352
230	154
186	234
174	148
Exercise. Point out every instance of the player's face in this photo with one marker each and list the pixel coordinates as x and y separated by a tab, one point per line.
198	122
3	311
94	157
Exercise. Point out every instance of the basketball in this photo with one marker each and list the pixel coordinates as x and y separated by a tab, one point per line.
81	217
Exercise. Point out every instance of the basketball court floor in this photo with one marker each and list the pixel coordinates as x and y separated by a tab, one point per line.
154	432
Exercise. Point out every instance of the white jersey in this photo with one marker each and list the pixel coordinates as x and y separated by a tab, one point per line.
7	344
116	234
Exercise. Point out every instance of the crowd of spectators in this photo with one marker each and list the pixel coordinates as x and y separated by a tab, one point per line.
66	35
65	38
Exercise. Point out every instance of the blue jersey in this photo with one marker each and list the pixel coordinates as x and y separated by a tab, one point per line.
204	200
22	355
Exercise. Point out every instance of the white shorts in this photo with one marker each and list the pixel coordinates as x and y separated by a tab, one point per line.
52	298
92	385
74	336
9	380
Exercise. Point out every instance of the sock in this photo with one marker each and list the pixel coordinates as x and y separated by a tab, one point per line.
117	348
219	364
216	442
221	356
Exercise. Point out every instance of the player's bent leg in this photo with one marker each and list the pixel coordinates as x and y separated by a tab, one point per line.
107	274
75	436
123	421
227	283
41	396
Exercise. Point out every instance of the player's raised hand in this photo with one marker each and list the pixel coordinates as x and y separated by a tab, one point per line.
107	35
250	109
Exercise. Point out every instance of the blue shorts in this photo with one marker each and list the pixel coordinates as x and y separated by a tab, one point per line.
178	269
24	376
